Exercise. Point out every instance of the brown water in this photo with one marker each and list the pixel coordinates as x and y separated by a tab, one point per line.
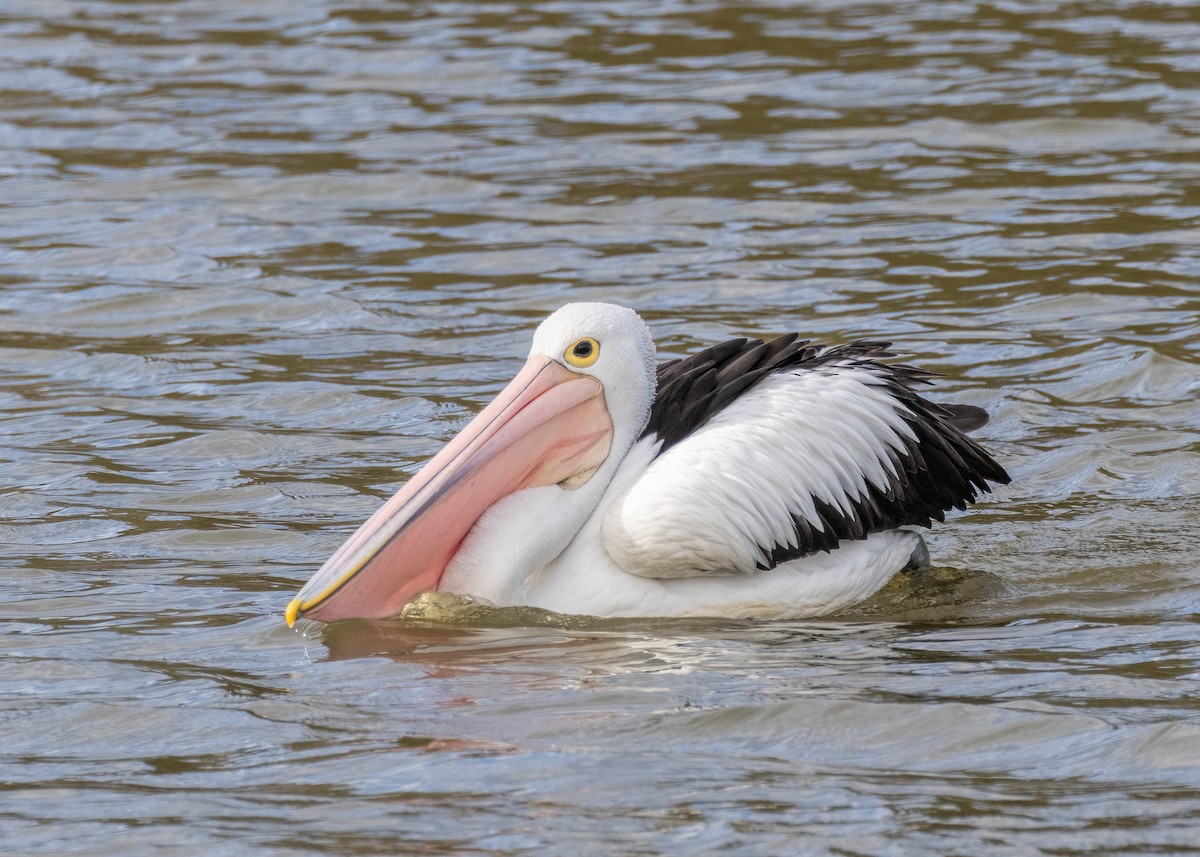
257	260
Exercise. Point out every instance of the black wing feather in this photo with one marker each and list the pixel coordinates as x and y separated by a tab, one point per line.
939	469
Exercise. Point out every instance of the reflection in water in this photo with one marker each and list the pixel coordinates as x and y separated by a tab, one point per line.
257	263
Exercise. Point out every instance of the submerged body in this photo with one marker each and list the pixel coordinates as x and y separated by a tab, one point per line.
585	578
749	480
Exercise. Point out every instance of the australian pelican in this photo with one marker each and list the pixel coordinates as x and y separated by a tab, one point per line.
752	479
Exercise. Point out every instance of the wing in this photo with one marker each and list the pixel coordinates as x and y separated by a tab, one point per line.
777	450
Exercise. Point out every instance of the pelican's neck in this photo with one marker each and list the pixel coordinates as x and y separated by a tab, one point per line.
519	535
522	533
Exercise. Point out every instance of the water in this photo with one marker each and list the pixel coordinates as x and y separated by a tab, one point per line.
257	261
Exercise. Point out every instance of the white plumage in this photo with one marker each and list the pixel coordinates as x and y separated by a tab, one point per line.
771	452
587	574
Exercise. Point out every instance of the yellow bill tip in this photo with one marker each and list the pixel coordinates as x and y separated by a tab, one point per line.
292	611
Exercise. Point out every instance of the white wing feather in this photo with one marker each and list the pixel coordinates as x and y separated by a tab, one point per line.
720	500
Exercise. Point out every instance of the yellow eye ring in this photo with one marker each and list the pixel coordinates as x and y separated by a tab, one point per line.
583	353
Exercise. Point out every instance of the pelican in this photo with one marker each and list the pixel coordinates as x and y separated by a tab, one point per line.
770	479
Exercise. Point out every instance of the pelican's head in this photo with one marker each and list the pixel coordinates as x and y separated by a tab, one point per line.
584	393
611	344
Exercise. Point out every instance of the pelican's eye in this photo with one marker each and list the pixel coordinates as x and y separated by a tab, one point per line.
583	353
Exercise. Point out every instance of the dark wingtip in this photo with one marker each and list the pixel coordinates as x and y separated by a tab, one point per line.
966	418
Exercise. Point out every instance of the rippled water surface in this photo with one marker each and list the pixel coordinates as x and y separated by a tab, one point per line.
258	260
